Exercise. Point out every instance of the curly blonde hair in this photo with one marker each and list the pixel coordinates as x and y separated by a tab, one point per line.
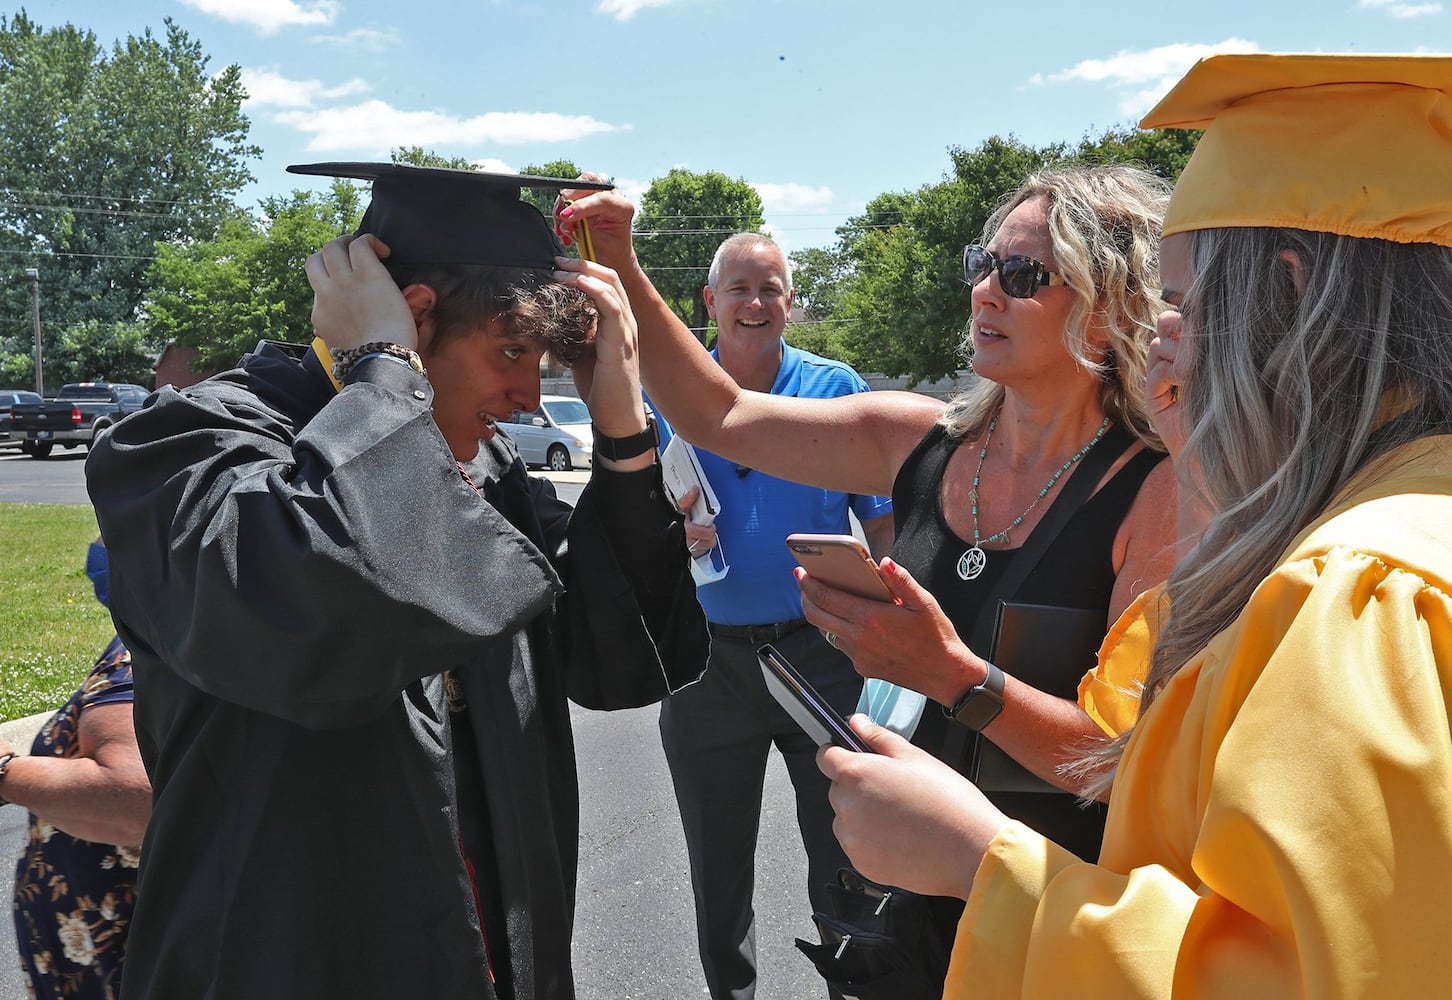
1104	221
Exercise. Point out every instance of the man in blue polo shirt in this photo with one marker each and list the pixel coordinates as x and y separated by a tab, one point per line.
718	732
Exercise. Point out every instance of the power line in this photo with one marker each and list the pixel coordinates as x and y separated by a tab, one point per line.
117	212
30	192
70	253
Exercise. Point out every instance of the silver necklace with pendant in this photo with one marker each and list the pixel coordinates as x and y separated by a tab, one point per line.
974	559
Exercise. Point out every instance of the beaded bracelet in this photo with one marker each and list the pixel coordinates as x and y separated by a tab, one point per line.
345	359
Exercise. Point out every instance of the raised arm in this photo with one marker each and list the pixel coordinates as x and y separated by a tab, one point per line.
851	443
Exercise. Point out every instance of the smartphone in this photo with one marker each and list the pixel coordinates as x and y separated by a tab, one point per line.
818	719
840	561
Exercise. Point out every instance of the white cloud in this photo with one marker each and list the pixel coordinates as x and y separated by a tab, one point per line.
362	40
631	187
1151	72
624	10
267	16
1149	64
492	165
1398	9
267	87
376	127
787	199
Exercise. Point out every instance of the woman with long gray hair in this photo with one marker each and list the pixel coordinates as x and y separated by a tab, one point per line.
1280	823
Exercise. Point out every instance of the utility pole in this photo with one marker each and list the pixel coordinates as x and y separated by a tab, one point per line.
34	275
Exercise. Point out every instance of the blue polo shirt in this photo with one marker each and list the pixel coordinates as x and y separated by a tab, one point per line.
758	511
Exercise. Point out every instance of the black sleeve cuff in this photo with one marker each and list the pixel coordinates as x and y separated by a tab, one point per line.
390	373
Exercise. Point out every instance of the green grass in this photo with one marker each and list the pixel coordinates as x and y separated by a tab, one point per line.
52	628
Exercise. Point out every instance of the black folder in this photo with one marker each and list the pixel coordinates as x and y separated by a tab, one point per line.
1050	648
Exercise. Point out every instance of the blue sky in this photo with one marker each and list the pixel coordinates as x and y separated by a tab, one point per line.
821	105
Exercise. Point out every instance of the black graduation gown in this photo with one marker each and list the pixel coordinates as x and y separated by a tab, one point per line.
293	570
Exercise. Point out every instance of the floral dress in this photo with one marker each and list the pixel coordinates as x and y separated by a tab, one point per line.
73	898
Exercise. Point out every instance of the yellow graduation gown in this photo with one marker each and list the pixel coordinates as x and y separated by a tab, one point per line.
1281	823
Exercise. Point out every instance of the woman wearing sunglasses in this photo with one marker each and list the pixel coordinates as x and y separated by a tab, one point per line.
1064	297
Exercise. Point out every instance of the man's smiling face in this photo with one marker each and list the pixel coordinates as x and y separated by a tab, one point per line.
752	297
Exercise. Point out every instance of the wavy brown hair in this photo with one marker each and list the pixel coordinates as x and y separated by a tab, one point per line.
528	303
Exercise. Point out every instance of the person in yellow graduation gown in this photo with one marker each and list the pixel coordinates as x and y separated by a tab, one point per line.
1280	818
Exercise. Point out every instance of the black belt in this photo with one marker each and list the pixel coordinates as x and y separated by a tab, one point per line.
755	635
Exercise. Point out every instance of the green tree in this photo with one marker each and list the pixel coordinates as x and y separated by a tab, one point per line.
683	218
419	157
816	273
1163	151
816	282
102	155
544	198
221	296
96	351
92	350
105	153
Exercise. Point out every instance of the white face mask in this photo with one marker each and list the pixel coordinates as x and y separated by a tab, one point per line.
892	707
708	567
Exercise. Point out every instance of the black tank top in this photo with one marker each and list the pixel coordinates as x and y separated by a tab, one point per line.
1075	571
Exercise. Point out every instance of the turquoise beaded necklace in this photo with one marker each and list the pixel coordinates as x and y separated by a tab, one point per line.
972	562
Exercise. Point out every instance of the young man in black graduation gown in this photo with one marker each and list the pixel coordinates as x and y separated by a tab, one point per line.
352	655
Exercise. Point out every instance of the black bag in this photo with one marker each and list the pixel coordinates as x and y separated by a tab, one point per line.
1046	647
878	942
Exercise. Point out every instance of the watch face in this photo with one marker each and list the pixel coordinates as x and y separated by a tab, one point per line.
981	704
978	710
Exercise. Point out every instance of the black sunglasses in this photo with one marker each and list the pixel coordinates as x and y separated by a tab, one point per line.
1019	275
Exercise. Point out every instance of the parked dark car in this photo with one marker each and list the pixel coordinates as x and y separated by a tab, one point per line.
8	398
79	412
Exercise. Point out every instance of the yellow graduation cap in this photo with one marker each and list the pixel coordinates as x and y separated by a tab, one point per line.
1359	145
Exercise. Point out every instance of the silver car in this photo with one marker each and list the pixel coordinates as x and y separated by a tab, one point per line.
556	436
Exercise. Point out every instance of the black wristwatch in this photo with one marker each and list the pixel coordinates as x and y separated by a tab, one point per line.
981	704
620	449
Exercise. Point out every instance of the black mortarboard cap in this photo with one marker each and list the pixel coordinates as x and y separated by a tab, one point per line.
436	215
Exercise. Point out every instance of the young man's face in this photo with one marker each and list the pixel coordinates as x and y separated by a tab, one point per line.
479	377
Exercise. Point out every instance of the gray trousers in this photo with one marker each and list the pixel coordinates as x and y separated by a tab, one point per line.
717	734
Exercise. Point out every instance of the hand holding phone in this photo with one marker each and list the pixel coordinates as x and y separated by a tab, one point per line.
840	561
818	719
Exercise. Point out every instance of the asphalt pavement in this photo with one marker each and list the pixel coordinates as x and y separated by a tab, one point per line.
635	922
